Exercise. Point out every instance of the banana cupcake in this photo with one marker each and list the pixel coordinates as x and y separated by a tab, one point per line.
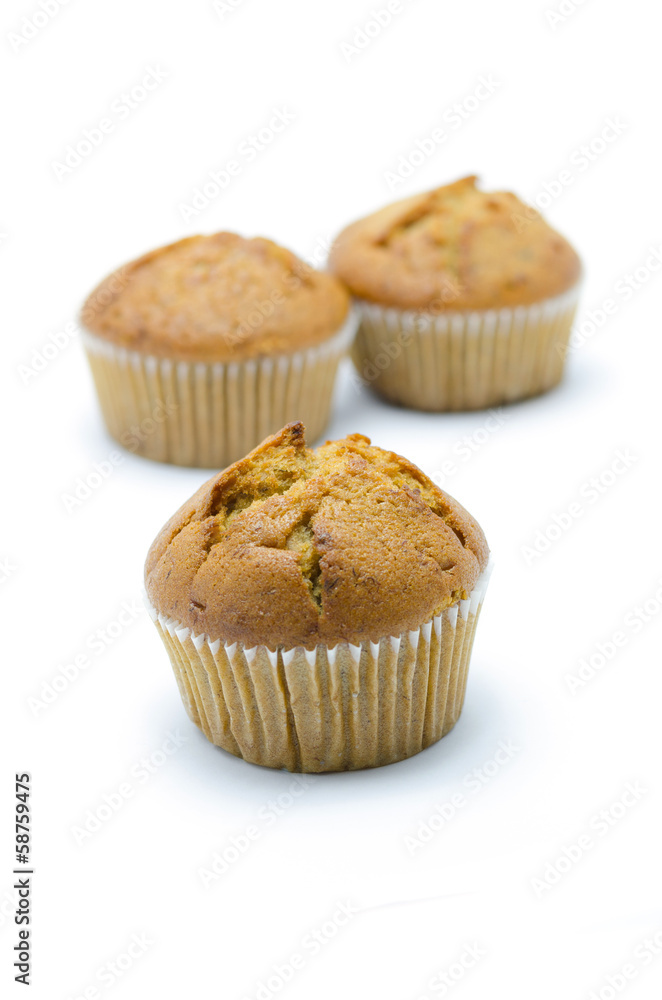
201	348
319	606
466	298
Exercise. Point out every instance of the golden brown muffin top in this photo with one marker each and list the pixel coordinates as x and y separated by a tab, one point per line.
454	248
217	298
293	547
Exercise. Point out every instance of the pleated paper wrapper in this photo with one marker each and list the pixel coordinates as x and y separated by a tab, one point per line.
464	360
210	415
330	708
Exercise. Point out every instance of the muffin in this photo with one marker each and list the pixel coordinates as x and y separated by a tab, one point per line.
203	347
466	298
319	606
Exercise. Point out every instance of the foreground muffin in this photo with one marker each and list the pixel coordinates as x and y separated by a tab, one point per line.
319	607
466	298
201	348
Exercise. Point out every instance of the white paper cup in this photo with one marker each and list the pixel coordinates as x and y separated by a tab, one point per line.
464	360
210	415
329	708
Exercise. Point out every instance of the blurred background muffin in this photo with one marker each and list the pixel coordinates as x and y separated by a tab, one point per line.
319	607
466	298
201	348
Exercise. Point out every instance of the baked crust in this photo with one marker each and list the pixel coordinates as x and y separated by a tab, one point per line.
454	248
294	547
217	298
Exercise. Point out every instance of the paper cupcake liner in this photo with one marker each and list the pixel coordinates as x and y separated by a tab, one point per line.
330	708
209	415
464	360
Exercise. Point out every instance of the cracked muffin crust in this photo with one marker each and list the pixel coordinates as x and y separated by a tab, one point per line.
217	298
294	547
454	248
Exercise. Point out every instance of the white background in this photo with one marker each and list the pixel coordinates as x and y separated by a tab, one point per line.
69	573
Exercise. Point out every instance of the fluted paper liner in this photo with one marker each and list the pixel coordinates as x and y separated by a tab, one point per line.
464	360
210	415
330	708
